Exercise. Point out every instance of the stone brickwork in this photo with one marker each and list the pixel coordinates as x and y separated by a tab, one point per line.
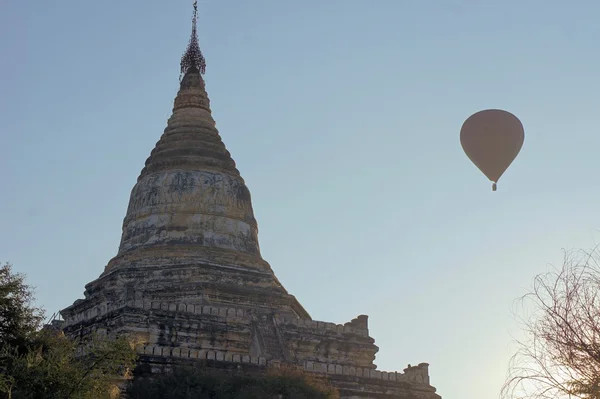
189	280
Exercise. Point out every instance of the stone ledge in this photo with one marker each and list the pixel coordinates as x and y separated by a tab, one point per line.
418	375
321	325
103	309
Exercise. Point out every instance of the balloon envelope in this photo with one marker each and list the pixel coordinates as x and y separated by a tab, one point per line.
492	140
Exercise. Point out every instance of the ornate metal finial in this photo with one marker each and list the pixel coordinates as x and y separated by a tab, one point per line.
193	56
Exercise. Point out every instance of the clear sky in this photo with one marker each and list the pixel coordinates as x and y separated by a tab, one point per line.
343	117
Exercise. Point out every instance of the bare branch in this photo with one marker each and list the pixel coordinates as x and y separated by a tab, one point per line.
560	357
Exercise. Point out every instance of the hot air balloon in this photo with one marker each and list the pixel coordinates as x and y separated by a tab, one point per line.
492	140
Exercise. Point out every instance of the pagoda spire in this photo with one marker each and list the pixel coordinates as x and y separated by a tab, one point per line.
193	58
190	197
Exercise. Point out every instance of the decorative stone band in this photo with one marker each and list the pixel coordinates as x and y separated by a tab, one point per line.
183	308
321	325
416	374
166	256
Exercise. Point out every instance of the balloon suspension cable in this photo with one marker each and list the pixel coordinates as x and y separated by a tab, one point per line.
494	187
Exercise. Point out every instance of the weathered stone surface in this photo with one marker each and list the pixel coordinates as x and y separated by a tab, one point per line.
189	196
190	283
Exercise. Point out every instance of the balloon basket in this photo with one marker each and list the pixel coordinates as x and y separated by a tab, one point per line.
494	187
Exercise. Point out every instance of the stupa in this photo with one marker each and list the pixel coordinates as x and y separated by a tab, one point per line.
189	280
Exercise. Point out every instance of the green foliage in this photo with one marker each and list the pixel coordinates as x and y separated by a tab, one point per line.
53	369
19	319
45	364
203	383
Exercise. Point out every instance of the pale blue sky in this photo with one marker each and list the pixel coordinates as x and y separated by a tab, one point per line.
343	117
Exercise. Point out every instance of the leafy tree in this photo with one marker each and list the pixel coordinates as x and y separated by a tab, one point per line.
187	382
55	369
19	319
45	364
560	357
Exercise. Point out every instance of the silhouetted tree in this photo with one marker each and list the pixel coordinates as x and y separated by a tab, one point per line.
188	382
560	357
